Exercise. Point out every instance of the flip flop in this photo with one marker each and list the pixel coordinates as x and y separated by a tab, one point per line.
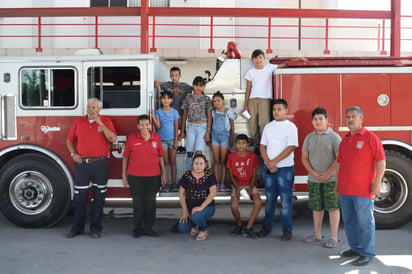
313	240
331	243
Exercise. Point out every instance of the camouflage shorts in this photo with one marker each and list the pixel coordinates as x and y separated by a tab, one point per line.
321	196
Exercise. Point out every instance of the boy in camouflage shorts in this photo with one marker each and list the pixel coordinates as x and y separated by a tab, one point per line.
319	153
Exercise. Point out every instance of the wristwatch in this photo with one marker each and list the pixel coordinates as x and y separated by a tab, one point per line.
72	154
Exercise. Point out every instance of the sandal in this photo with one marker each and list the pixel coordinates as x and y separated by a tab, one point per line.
311	239
193	231
202	235
331	243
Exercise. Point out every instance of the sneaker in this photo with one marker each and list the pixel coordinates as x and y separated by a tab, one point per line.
263	232
150	233
181	150
349	253
248	233
174	188
287	235
202	235
237	230
221	188
166	188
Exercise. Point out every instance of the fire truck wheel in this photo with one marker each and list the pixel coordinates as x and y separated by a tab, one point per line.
34	192
393	206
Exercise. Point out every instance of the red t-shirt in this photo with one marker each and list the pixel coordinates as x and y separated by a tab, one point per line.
89	137
242	167
357	159
143	155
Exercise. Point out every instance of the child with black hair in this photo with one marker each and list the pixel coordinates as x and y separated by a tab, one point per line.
259	92
221	137
166	121
196	121
242	165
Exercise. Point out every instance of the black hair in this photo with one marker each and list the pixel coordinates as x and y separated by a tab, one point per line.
199	156
175	69
166	93
257	52
320	111
143	117
242	137
198	81
280	102
218	94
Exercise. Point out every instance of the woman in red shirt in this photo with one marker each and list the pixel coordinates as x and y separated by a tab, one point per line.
143	170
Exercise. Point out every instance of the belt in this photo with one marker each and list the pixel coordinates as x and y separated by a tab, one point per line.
92	160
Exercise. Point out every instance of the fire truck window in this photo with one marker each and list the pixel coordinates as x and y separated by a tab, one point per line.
116	87
47	88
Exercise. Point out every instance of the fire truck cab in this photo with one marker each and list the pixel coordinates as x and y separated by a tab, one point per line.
40	99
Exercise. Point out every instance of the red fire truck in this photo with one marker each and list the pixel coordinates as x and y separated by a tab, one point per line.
42	96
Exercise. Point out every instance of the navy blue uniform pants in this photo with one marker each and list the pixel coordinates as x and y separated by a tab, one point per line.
95	175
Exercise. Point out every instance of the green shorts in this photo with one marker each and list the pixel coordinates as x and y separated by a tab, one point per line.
322	197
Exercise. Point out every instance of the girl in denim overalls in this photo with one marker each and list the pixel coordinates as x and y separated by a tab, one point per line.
222	137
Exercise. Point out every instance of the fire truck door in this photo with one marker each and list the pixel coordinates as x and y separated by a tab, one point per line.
371	92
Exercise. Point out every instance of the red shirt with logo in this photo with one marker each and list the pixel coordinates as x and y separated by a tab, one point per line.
89	137
242	167
357	159
143	155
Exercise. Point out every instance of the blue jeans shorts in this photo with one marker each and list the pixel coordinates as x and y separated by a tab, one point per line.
220	139
167	144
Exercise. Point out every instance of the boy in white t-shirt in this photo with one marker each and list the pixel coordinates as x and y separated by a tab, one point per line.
259	92
279	140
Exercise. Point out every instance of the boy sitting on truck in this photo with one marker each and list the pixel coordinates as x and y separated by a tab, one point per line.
242	165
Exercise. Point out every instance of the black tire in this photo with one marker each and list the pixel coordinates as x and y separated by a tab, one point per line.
393	206
34	191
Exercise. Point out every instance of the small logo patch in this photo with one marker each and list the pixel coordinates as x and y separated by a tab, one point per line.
359	145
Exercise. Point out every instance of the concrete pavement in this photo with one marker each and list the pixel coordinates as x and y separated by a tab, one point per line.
47	251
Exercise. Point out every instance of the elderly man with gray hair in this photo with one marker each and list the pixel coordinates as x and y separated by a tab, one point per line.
88	143
361	165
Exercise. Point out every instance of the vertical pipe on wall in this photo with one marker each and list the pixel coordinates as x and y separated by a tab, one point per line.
96	32
211	49
39	48
144	27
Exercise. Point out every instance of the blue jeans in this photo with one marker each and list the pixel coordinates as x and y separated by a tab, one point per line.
199	219
195	140
357	216
280	184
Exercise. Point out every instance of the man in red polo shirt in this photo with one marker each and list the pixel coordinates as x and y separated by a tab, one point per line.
89	142
361	165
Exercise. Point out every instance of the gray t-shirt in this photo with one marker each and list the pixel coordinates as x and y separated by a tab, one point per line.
179	91
322	150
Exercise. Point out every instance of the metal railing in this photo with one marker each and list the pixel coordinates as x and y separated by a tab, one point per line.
157	28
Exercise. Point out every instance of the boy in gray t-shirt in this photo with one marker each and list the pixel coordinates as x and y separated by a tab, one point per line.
178	89
319	153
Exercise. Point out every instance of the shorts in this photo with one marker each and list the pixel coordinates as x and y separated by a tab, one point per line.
220	139
167	144
254	190
322	197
